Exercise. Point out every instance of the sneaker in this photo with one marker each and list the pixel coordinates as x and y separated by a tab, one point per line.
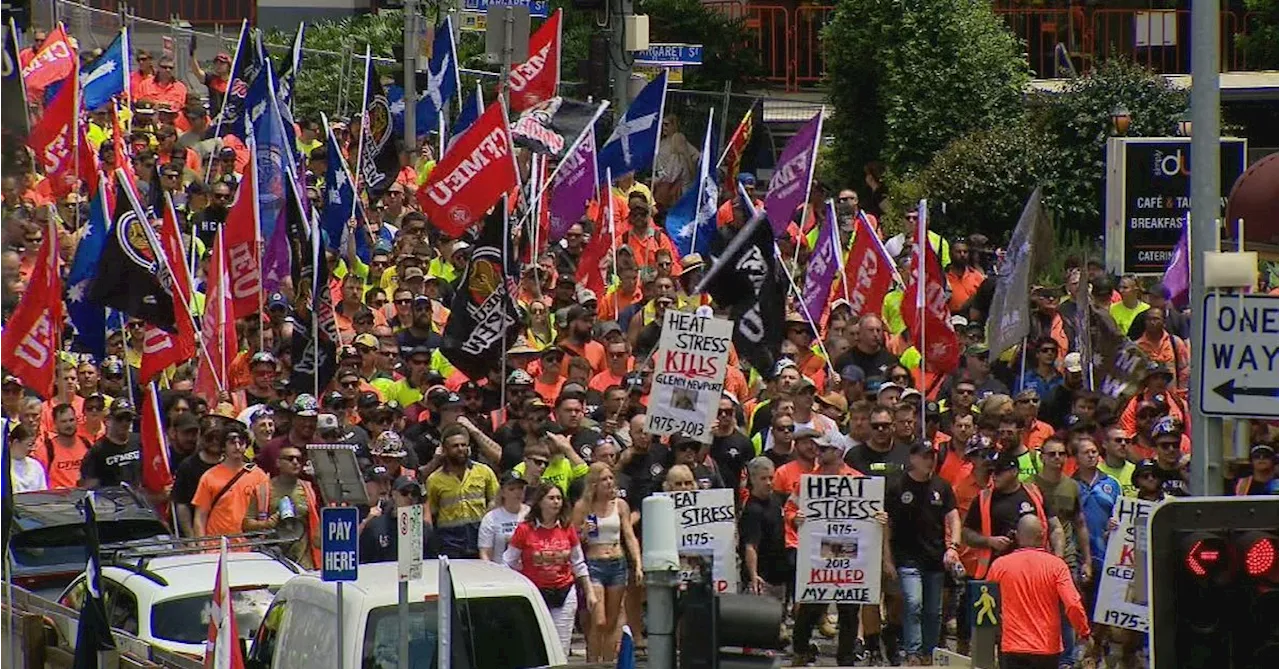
804	659
875	658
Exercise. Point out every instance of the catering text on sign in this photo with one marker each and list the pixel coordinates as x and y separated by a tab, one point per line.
840	550
688	378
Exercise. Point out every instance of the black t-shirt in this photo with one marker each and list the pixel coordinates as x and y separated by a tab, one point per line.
706	477
187	477
731	454
511	438
1172	482
779	459
642	476
917	510
408	342
874	364
1006	510
761	526
584	441
112	464
871	462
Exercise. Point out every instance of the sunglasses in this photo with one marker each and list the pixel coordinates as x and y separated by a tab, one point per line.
1167	445
1122	440
787	429
724	412
881	426
291	458
964	391
234	439
1055	454
898	377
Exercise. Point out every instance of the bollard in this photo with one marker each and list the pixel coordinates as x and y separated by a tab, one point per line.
984	597
661	576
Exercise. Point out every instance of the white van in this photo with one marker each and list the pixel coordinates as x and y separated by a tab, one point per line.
501	621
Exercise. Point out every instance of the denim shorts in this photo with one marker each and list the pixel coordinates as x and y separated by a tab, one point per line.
608	572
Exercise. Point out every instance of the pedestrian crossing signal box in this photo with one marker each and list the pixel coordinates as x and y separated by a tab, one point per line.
1212	592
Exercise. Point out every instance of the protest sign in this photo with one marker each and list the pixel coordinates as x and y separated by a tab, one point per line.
708	536
688	378
841	543
1119	605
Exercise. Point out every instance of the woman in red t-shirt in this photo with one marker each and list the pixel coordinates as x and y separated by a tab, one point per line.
545	548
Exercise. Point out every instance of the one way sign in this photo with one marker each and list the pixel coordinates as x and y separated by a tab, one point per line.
1239	370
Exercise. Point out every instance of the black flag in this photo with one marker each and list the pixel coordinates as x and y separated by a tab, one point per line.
14	123
482	322
552	126
748	280
93	634
228	108
314	351
130	276
379	161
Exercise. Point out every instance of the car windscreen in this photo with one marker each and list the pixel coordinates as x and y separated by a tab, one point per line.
489	633
64	544
186	619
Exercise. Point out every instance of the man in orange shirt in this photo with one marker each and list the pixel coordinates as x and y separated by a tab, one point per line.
222	495
618	362
644	238
577	340
62	450
1034	586
963	278
163	87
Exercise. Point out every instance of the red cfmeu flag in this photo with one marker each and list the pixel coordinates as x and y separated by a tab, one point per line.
868	272
156	473
217	329
733	152
602	238
31	333
942	346
56	139
241	239
473	176
161	348
222	646
537	78
53	61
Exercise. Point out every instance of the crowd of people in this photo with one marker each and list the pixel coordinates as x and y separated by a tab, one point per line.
542	464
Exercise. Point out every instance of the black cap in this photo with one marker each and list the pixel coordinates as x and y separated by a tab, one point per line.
1147	466
376	473
406	485
921	448
367	400
1003	461
122	407
334	399
184	422
512	477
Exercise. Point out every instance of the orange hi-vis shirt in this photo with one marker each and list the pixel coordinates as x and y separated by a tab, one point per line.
64	471
791	480
228	515
1033	584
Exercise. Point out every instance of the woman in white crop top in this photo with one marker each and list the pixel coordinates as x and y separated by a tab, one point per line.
604	523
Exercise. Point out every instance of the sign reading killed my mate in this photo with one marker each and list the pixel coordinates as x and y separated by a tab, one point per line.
1239	370
688	379
838	559
339	543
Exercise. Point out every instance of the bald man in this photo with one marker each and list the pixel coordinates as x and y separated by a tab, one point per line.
1035	585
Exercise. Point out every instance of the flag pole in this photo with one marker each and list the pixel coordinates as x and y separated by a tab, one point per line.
922	255
813	325
606	193
506	243
574	147
364	125
217	127
697	210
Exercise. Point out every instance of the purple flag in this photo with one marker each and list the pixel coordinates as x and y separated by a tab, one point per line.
1177	277
822	270
789	185
572	186
276	260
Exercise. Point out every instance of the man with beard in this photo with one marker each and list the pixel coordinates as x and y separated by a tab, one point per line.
117	457
520	429
577	340
302	431
458	495
570	414
569	251
868	349
420	333
183	435
879	456
63	452
187	475
963	278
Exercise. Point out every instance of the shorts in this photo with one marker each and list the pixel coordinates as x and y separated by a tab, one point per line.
608	572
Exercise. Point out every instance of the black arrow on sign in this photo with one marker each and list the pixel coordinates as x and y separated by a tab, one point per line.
1228	391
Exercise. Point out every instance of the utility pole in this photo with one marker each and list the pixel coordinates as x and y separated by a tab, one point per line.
410	74
619	57
508	47
1206	210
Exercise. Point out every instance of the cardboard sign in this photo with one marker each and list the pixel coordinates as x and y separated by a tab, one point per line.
1119	605
841	543
688	378
708	535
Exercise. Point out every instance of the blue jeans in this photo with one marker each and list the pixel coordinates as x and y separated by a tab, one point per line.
922	609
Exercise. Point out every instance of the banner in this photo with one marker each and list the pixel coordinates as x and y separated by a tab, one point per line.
240	234
108	74
468	181
737	146
131	275
789	184
482	324
633	144
379	159
31	332
748	279
691	223
537	78
13	114
1009	319
53	61
572	186
868	270
708	536
552	126
841	544
823	267
688	375
1118	604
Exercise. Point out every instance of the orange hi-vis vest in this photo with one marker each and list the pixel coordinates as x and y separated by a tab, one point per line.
983	553
313	514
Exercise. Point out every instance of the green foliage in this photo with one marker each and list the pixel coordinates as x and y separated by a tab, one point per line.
907	77
1260	37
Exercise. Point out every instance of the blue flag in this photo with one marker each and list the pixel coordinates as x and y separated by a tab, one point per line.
284	88
89	318
339	199
273	151
245	68
107	75
634	142
442	85
692	221
472	108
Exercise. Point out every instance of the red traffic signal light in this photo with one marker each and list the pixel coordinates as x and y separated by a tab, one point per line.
1205	555
1258	555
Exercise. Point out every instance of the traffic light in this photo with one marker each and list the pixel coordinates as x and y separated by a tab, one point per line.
742	628
1213	591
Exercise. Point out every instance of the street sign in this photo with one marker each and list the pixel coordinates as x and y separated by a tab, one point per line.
339	543
409	535
669	55
1238	361
1149	195
537	8
472	22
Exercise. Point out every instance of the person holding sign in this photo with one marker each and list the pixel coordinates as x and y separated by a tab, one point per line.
604	522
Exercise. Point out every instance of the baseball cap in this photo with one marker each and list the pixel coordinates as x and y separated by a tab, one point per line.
1072	362
334	399
910	392
367	400
633	381
606	328
411	273
833	399
979	445
1147	466
376	473
407	486
977	349
452	399
746	178
853	374
888	385
348	351
121	408
1262	450
920	448
806	433
832	439
511	477
586	295
1003	462
276	300
519	377
959	321
366	340
305	405
577	311
326	422
1167	426
10	379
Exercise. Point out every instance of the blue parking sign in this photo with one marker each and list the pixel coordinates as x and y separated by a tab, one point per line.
339	543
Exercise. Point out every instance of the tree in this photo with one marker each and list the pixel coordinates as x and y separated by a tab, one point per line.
1259	38
907	77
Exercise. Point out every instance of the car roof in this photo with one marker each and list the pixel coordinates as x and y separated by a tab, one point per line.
378	582
49	508
195	573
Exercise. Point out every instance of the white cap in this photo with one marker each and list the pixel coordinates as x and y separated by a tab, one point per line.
959	321
1072	362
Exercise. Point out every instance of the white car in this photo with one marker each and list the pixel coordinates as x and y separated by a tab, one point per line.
166	600
501	621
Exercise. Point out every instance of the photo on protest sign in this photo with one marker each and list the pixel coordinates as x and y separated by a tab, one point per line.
708	536
1119	603
841	543
688	377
